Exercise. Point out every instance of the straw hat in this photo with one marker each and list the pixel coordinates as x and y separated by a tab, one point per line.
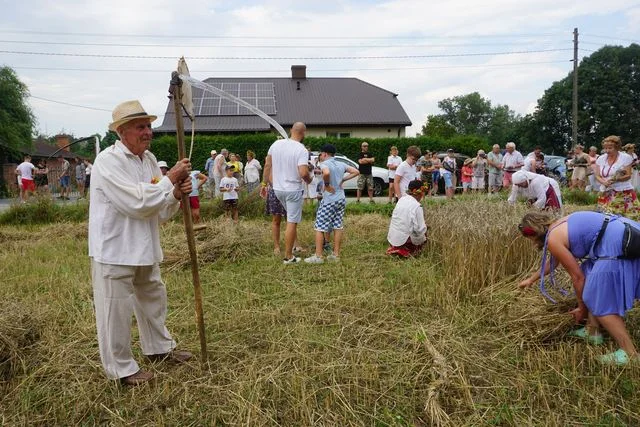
629	147
127	111
468	162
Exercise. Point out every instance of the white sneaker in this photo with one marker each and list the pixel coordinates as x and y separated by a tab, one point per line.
293	260
333	258
315	259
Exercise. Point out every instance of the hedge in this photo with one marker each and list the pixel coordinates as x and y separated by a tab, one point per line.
165	147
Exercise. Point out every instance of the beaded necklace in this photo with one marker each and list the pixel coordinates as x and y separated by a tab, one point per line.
610	166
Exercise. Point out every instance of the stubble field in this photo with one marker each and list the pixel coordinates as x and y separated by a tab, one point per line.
442	339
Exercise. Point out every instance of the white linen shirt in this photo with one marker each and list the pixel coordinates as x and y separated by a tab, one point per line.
252	171
407	221
510	161
126	208
537	189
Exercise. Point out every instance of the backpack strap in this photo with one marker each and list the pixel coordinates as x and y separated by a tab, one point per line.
592	250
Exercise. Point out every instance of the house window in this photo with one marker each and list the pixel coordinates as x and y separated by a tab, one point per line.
338	135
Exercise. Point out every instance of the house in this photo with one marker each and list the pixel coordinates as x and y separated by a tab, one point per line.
339	107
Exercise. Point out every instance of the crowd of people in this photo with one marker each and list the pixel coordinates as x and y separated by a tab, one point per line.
34	178
132	194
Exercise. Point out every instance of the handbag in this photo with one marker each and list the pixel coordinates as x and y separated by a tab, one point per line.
448	167
630	242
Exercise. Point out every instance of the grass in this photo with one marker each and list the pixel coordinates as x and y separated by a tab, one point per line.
442	339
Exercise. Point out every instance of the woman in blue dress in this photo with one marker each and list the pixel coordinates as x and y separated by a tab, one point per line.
605	285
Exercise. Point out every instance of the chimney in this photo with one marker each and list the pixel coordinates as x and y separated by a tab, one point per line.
62	140
299	72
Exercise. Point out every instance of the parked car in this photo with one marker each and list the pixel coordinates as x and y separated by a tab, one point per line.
380	175
556	168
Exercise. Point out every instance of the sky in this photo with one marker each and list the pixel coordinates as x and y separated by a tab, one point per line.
80	59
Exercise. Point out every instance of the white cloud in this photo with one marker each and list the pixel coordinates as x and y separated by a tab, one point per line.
548	22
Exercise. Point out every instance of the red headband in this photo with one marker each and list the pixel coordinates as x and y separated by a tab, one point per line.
528	231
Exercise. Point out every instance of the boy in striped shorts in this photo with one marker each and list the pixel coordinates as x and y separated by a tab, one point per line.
331	210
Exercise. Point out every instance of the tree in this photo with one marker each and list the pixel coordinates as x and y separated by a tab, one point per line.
472	115
438	127
608	100
469	114
16	118
503	125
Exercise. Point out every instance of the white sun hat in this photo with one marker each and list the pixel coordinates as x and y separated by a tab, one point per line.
127	111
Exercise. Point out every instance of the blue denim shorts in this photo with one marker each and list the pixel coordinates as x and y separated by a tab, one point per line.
448	183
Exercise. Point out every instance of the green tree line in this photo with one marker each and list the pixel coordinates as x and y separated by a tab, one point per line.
608	104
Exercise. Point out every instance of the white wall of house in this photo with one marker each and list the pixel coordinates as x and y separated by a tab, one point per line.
357	132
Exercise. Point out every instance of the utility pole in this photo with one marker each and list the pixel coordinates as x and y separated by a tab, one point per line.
574	119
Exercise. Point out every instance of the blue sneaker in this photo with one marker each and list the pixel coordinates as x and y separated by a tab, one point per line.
618	358
582	333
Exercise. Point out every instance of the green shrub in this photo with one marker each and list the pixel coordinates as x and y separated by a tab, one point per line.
43	210
578	197
165	148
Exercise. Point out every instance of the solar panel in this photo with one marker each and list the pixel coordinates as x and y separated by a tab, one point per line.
260	95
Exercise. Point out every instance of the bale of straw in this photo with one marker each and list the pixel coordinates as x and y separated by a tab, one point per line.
219	240
525	315
20	330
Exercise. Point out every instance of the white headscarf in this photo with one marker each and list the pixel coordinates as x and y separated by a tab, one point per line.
522	176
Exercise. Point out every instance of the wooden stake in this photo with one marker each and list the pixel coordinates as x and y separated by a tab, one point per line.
176	91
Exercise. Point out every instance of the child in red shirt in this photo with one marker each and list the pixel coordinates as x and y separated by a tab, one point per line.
467	175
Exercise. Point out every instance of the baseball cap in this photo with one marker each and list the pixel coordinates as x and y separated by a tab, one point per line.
450	150
230	167
162	164
214	152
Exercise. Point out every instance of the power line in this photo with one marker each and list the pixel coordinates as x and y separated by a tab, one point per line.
610	38
76	105
221	46
68	104
266	58
269	37
513	64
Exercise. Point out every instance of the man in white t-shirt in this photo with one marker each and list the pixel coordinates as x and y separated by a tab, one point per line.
25	172
287	169
406	172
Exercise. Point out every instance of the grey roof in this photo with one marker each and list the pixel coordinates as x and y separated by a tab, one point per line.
42	149
319	102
